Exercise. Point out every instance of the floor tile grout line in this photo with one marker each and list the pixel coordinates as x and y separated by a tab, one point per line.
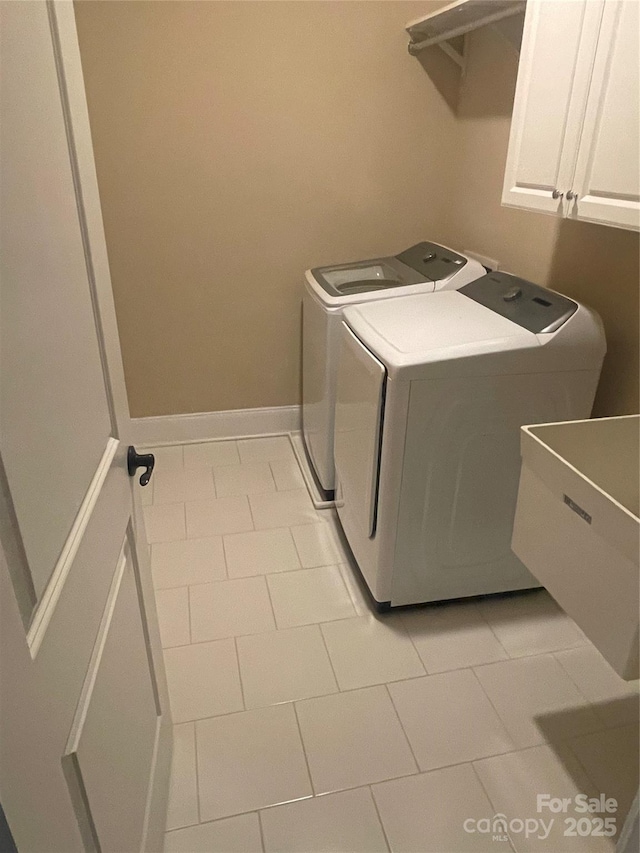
375	683
396	777
261	828
279	630
253	520
510	656
415	648
295	544
486	792
194	442
277	805
273	479
292	539
278	489
271	574
273	610
346	618
530	657
189	613
336	692
197	771
188	442
592	703
261	574
320	524
522	657
167	503
225	558
582	765
278	526
213	479
326	648
352	595
393	778
304	749
501	718
490	701
219	820
404	731
381	822
244	701
490	627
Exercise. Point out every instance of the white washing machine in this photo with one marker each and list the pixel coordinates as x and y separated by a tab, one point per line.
423	268
431	394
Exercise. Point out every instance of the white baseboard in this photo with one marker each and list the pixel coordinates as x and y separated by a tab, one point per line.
206	426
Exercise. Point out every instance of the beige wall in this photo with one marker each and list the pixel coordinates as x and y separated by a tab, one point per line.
593	263
236	145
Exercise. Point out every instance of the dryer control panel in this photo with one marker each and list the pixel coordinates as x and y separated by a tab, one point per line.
533	307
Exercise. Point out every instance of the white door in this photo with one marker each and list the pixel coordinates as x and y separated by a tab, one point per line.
607	179
553	81
85	731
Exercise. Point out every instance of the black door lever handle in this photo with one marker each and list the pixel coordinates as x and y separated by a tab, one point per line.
137	460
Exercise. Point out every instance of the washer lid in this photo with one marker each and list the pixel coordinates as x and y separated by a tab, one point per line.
420	263
411	332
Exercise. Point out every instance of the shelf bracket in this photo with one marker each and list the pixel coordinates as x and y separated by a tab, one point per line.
452	53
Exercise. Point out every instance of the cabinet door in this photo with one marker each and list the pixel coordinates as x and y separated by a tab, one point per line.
607	178
553	81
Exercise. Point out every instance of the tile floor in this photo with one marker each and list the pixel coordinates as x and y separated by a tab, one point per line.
303	722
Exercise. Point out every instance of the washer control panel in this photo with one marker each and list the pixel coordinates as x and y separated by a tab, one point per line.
533	307
432	261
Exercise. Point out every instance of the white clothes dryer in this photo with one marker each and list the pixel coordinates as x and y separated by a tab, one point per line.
423	268
431	394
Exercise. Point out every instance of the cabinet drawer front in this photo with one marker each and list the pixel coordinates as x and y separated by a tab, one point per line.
553	81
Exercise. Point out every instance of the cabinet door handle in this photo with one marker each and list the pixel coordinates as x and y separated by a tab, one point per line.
558	194
571	195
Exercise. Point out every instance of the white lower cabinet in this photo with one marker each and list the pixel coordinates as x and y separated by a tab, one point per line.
574	146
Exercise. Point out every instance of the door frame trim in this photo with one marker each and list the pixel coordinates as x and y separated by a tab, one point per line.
74	106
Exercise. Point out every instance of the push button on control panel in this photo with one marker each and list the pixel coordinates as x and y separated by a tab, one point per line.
513	294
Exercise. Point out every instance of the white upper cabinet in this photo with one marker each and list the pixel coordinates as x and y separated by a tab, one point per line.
607	175
574	145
